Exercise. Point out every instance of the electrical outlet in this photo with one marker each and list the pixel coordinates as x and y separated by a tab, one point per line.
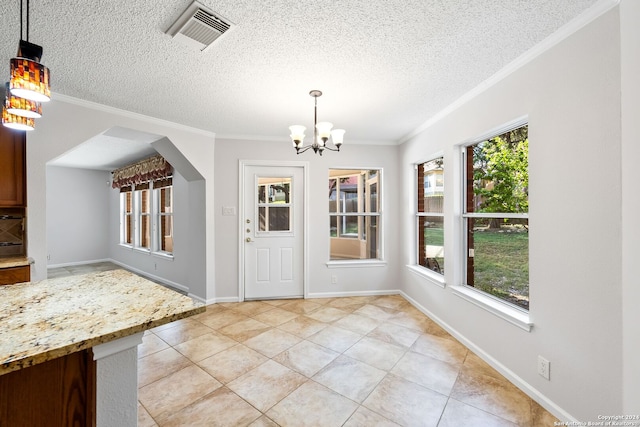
334	279
544	368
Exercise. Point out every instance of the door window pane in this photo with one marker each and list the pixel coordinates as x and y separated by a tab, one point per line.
274	204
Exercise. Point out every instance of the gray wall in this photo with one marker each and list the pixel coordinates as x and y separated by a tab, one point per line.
78	215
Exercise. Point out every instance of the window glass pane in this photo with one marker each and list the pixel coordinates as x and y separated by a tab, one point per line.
144	201
432	197
166	233
165	200
128	204
279	218
262	194
500	174
128	226
431	243
333	191
499	264
145	232
353	194
262	219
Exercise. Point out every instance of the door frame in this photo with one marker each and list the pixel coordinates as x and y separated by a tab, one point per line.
243	165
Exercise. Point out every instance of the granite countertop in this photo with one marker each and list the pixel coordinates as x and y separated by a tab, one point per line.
16	261
40	321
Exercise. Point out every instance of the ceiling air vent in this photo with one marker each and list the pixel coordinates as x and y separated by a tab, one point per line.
198	27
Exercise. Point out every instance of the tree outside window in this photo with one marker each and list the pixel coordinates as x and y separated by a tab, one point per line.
496	217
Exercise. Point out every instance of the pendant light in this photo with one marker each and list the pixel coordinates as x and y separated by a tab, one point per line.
322	133
29	78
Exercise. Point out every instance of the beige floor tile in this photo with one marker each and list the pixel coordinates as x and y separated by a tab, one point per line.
446	349
204	346
345	304
144	419
222	408
395	302
251	308
312	405
358	323
541	417
336	339
350	378
151	343
427	371
266	385
180	322
303	326
395	334
322	301
276	316
245	329
176	391
364	417
376	312
406	403
158	365
458	414
328	314
475	365
229	364
223	318
183	332
276	302
263	421
306	358
272	342
210	309
301	306
417	322
376	353
496	396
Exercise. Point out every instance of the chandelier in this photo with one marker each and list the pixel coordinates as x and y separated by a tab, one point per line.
29	83
321	133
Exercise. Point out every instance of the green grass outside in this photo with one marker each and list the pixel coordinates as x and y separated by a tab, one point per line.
501	262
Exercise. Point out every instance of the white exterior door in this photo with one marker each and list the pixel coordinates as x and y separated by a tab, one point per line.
273	228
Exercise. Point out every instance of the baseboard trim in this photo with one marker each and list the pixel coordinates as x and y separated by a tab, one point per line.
353	294
72	264
524	386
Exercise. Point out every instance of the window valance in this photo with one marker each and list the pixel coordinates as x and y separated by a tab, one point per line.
146	170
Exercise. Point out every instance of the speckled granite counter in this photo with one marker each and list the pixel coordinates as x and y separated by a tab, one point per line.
20	261
40	321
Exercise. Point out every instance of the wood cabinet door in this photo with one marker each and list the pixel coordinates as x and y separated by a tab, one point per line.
12	167
11	275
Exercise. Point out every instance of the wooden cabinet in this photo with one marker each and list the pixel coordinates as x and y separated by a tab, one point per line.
57	393
11	275
12	167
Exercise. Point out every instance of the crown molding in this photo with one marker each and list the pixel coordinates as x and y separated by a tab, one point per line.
131	115
585	18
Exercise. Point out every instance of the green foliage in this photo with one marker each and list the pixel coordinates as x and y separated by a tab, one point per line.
501	173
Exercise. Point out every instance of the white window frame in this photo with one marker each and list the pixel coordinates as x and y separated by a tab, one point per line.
366	262
154	216
434	277
157	222
512	314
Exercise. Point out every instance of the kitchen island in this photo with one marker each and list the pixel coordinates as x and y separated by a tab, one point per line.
68	346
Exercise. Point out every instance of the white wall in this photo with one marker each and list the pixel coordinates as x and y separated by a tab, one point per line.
78	215
630	50
349	280
571	95
68	123
174	271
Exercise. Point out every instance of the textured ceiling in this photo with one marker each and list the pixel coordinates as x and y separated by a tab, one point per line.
385	66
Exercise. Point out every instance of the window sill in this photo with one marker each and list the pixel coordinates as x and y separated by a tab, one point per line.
163	255
433	278
356	263
512	315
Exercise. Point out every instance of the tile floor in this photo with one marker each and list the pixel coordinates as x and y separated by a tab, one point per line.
353	361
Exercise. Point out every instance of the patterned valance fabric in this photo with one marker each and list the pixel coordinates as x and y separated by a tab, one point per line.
146	170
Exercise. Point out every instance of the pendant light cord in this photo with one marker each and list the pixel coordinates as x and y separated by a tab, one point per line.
27	20
21	19
21	14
